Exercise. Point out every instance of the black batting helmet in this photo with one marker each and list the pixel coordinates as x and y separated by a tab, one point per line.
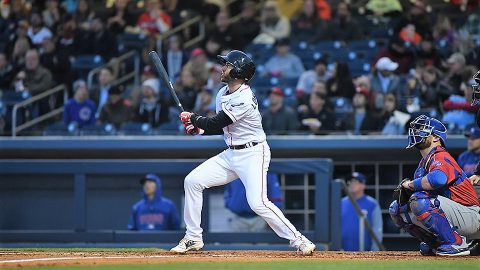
243	66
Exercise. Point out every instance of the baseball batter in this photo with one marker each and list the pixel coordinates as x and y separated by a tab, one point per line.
247	156
443	211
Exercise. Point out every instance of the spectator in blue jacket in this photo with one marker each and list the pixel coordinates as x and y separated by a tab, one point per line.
244	219
153	212
80	109
350	220
469	159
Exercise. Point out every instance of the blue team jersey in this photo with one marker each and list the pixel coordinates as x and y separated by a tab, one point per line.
468	161
350	223
81	113
157	214
236	198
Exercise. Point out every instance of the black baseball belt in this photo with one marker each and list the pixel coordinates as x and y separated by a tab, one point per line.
243	146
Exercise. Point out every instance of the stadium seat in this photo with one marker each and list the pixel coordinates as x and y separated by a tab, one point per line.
130	41
359	67
82	64
136	128
98	129
366	44
61	129
169	128
87	61
341	104
327	45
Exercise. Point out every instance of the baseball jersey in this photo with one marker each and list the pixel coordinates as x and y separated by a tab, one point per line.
468	161
157	214
351	222
241	107
458	187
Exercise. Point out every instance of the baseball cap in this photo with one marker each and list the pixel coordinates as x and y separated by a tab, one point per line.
360	177
197	52
277	91
386	63
473	133
148	177
154	84
456	58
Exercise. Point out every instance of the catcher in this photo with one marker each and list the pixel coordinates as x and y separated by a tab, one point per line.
439	206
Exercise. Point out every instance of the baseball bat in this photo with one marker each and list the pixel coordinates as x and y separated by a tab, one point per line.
164	75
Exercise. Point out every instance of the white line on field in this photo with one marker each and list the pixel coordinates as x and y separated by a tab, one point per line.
86	258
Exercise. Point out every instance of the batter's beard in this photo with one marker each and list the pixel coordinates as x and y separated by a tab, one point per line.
226	78
423	145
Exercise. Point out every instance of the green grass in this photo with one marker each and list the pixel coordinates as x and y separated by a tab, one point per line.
290	265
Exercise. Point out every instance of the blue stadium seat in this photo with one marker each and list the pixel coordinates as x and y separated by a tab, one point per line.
341	104
130	41
98	129
61	129
136	128
327	45
87	61
82	64
264	81
358	68
366	44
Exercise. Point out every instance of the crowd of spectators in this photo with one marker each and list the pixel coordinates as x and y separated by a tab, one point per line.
430	55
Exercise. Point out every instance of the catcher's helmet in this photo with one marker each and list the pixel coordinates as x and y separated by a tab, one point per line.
476	89
424	126
243	66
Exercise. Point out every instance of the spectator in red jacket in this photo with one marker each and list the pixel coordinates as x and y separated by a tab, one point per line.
154	20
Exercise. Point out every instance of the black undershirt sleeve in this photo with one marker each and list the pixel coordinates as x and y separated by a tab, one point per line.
212	125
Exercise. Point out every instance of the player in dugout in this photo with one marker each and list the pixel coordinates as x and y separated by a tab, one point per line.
154	211
439	206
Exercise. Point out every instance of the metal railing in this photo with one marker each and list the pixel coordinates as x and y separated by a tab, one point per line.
237	17
24	104
363	222
201	33
115	63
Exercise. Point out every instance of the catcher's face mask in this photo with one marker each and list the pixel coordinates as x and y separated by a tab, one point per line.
419	130
476	89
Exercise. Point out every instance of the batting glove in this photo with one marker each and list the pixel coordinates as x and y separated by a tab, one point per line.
190	129
185	117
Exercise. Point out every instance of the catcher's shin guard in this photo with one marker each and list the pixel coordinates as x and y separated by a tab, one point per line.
433	218
414	230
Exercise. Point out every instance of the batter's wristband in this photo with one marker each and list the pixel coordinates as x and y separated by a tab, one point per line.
194	119
417	184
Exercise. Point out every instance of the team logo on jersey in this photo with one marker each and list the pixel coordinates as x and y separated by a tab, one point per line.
236	105
437	163
254	99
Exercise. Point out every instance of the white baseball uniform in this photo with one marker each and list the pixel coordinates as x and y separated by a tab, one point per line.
249	164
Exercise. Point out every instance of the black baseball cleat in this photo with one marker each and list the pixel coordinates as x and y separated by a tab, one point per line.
474	247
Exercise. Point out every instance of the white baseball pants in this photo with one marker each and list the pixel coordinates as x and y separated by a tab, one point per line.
251	166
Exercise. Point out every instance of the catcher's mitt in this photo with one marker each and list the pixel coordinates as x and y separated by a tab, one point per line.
401	194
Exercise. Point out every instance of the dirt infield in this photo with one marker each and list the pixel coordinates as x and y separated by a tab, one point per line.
19	258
